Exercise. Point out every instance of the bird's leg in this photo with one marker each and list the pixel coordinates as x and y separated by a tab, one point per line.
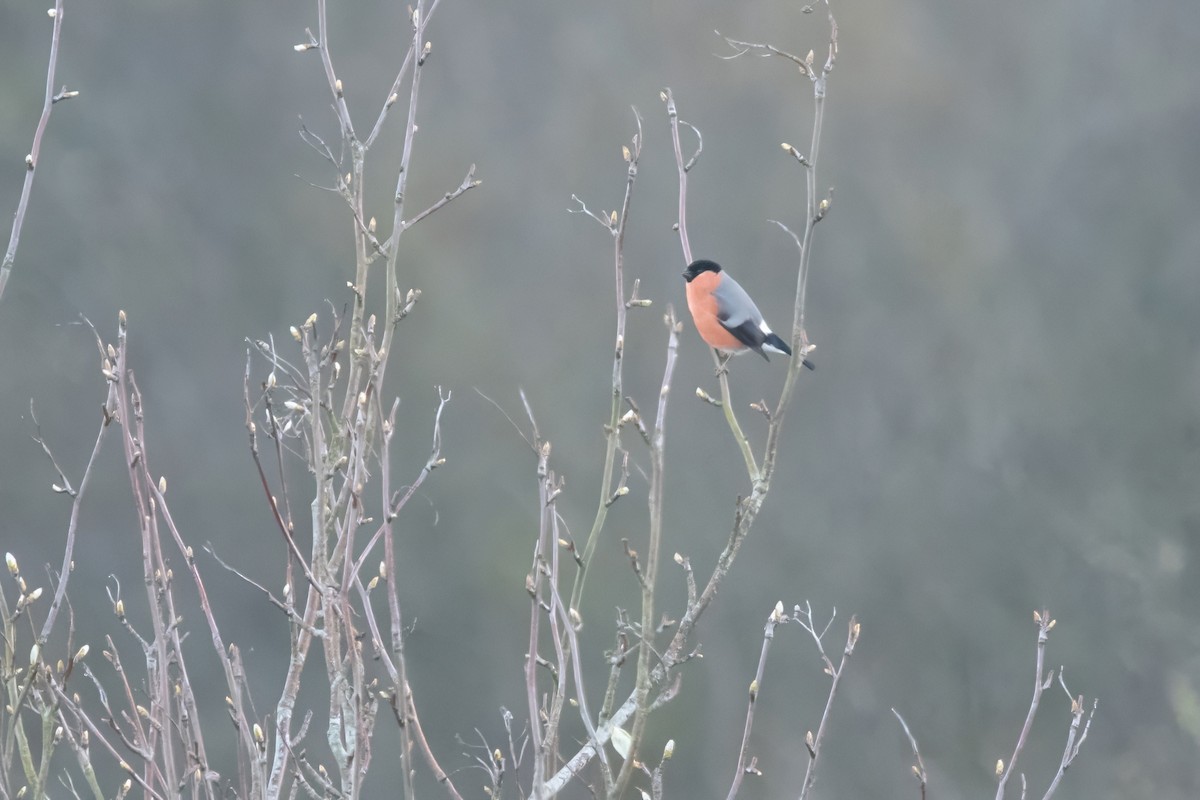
723	360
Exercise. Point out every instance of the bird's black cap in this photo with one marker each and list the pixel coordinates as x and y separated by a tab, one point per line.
696	267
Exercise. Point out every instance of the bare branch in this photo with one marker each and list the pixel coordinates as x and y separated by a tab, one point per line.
1040	680
813	743
617	224
468	183
35	151
745	766
919	767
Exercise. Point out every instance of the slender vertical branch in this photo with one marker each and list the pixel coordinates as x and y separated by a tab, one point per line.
534	587
650	568
918	768
31	160
735	427
400	687
613	427
745	764
1040	682
673	117
811	742
1075	735
60	591
392	296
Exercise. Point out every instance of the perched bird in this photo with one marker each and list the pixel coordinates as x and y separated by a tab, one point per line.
725	316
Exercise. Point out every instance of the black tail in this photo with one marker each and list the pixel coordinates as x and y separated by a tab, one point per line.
773	341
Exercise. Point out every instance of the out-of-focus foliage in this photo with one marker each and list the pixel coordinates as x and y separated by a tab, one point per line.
1006	414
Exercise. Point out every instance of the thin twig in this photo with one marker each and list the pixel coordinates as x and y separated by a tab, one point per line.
60	591
645	679
919	767
617	224
776	617
813	743
1040	681
31	160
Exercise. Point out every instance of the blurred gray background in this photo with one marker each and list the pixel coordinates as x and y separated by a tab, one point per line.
1006	413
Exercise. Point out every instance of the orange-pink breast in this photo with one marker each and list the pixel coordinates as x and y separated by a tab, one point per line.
703	306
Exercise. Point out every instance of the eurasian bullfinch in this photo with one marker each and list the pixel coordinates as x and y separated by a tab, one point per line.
725	316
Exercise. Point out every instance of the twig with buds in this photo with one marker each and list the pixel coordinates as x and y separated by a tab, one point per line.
1042	681
745	764
31	160
918	768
